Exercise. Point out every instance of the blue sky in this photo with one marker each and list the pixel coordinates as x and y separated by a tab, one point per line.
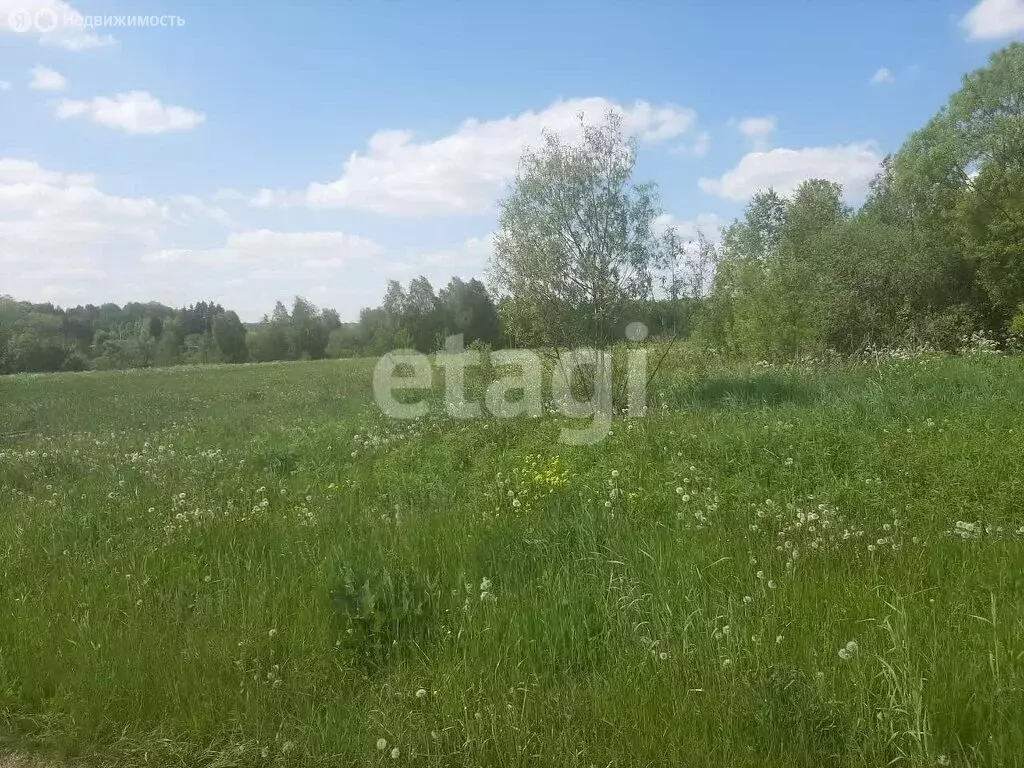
258	152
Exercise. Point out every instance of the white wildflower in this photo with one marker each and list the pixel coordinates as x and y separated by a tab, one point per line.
849	650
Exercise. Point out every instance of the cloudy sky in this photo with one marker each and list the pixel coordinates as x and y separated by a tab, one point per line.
262	150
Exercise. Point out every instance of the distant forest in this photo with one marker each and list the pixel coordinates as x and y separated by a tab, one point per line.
43	337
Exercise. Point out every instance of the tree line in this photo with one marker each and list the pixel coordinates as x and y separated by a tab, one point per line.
47	338
43	337
933	256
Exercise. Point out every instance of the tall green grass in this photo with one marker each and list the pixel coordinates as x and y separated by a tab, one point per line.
247	565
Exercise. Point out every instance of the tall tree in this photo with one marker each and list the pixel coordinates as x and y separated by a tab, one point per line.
307	333
229	335
466	308
421	317
574	249
962	175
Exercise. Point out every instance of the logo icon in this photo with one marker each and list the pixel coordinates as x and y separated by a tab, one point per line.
19	20
46	20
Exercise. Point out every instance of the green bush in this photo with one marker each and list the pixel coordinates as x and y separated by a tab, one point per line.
382	613
1017	324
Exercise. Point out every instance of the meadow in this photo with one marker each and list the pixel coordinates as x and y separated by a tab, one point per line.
819	564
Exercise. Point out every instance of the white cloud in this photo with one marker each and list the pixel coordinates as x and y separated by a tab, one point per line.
197	208
58	227
268	250
852	165
62	24
697	148
466	260
45	79
758	129
464	171
5	85
473	254
63	238
994	19
132	112
275	198
883	76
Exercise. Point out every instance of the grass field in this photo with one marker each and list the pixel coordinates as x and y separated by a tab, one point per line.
247	565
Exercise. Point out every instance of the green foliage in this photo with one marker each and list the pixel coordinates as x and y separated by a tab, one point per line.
933	256
1017	326
466	308
267	343
35	338
229	335
570	277
962	176
41	337
381	615
307	332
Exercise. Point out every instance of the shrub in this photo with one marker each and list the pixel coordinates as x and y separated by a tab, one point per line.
383	613
1017	324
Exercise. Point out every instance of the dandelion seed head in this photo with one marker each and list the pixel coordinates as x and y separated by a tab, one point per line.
849	650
